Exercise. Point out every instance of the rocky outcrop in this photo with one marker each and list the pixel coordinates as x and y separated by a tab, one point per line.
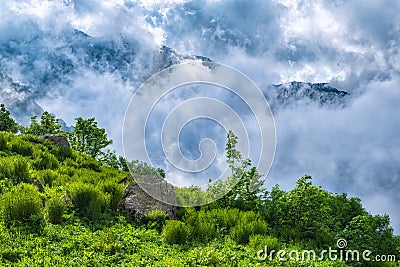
58	140
148	193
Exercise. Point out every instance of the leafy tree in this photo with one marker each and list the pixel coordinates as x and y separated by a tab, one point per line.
241	189
7	124
48	124
88	138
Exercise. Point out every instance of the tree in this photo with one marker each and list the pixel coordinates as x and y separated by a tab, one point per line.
7	124
88	138
48	124
240	190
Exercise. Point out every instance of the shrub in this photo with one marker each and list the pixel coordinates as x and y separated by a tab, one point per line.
249	224
258	242
44	160
47	177
22	204
201	225
115	191
15	168
156	219
175	232
21	147
55	209
88	199
3	142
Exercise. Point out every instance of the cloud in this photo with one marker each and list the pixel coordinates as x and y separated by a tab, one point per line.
86	58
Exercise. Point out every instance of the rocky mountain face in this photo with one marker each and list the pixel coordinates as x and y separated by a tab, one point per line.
292	94
43	66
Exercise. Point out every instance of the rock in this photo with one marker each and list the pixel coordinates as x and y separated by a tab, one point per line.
39	186
138	198
58	140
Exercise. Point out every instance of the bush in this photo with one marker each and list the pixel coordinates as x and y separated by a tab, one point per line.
15	168
3	142
201	225
46	177
55	209
249	224
175	232
22	204
258	242
88	199
21	147
156	219
115	191
44	160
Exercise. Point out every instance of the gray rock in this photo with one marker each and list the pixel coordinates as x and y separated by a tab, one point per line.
58	140
148	193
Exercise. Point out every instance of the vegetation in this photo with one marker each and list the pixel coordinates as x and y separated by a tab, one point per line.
74	220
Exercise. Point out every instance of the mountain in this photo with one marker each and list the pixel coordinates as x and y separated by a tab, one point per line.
294	93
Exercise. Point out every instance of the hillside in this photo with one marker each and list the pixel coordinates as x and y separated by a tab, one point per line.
60	207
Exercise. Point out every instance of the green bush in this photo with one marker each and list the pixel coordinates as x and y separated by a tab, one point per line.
22	204
55	209
258	242
47	177
3	142
21	147
44	160
175	232
201	225
15	168
115	191
156	219
250	223
88	199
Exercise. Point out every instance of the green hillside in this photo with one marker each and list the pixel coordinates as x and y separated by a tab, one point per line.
59	207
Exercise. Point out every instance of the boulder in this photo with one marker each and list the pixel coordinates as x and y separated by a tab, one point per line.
58	140
148	193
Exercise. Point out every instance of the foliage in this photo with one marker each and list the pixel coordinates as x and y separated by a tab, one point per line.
15	168
88	199
175	232
242	188
88	138
83	226
55	209
22	204
7	124
44	160
156	219
48	124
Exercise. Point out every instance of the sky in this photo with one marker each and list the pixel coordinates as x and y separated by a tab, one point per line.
352	45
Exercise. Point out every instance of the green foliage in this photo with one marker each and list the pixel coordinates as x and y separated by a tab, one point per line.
156	219
48	124
115	192
175	232
21	147
15	168
55	209
7	124
242	188
88	199
137	167
22	204
47	177
259	242
44	160
88	138
191	196
367	232
249	224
